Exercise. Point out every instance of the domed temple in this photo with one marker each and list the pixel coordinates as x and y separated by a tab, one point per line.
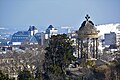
87	40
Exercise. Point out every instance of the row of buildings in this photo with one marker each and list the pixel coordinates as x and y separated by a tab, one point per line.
110	36
32	36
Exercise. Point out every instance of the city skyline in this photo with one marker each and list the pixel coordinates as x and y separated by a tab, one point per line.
21	14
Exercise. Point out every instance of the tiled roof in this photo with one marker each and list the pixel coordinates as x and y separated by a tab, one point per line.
22	33
50	26
20	36
24	36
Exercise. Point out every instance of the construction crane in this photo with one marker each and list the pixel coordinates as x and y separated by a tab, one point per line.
67	28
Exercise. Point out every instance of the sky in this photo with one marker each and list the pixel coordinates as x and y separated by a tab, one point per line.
20	14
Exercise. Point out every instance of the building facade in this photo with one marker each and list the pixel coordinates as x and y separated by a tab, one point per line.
50	31
25	36
110	38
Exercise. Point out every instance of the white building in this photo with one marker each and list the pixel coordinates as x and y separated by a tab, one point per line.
118	35
50	31
33	30
107	28
73	36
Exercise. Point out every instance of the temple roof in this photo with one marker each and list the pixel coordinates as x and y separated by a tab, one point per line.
87	29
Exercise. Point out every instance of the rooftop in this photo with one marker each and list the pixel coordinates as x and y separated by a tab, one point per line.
87	29
31	28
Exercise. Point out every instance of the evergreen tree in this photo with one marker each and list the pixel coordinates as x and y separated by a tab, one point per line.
59	54
38	74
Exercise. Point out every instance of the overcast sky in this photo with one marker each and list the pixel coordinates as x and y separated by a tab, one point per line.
41	13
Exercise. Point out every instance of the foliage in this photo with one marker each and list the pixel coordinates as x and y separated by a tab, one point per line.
90	63
25	75
99	75
59	54
117	68
38	75
3	76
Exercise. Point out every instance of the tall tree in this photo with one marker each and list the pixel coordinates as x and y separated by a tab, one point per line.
59	54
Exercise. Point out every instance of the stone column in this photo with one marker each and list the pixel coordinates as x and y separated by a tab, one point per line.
96	48
81	48
93	47
78	48
87	48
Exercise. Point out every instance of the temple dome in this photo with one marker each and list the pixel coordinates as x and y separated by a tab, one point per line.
87	29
